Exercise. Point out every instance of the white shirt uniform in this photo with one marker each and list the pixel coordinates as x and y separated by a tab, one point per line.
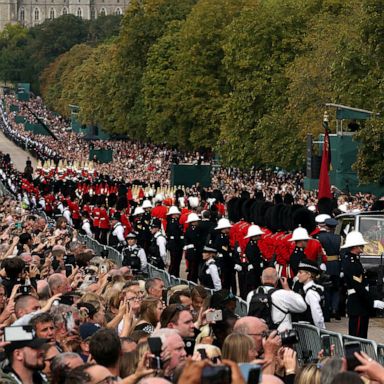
67	216
313	299
214	272
86	227
162	244
288	301
118	231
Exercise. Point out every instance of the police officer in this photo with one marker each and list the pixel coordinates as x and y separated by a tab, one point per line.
224	254
300	237
312	293
134	256
116	237
175	240
157	250
209	275
331	245
360	303
252	262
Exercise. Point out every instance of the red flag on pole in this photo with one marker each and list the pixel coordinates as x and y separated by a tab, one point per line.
324	182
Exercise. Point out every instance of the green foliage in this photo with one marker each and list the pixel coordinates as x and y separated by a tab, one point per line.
25	53
13	63
144	22
184	82
260	43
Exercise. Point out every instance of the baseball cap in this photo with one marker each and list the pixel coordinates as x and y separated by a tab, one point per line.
86	330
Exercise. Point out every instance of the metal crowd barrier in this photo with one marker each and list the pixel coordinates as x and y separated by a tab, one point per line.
368	346
309	344
380	353
336	339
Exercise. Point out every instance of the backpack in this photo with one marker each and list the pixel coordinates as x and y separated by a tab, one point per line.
261	306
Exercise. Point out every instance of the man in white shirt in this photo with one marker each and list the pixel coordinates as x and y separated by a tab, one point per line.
284	301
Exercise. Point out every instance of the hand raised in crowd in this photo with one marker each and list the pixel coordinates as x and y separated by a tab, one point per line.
369	367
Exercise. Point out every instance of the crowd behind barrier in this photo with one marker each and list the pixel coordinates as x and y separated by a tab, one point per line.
309	336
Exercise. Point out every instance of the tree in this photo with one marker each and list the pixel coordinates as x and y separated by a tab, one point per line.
260	43
184	82
143	24
13	59
55	78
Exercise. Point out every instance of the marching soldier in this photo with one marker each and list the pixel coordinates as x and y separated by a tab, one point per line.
360	303
193	246
134	256
209	275
224	254
141	227
331	245
104	224
175	240
253	263
300	237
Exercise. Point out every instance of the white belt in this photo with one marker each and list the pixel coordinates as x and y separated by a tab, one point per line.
171	237
189	246
351	292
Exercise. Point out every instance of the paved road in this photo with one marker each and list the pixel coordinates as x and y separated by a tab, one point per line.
18	155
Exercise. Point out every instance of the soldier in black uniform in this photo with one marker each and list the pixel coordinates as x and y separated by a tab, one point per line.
175	240
141	226
253	265
360	303
224	255
193	246
331	244
300	237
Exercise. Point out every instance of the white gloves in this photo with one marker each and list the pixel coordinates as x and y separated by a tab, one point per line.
250	267
341	274
238	268
378	304
323	267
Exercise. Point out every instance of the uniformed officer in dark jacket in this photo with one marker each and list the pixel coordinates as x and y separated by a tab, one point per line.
175	240
253	263
193	246
331	244
360	303
141	227
207	227
209	274
224	254
134	256
300	237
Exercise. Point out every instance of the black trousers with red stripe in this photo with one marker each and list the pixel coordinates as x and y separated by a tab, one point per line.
358	326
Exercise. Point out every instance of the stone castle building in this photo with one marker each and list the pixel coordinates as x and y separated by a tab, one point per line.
32	12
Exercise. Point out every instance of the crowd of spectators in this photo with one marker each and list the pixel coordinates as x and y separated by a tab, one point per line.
83	319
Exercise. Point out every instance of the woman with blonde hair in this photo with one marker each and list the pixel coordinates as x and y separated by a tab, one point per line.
149	314
239	348
310	374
